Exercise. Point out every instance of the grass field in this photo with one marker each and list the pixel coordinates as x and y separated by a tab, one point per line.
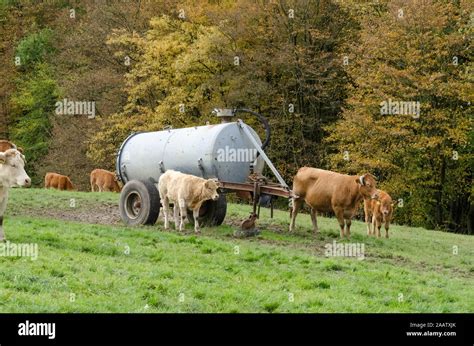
106	267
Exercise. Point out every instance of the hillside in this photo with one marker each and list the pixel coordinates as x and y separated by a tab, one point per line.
106	267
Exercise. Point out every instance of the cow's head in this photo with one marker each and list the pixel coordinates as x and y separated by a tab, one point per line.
385	206
12	169
210	187
368	186
385	203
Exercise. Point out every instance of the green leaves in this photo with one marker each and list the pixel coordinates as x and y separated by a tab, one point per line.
33	104
34	49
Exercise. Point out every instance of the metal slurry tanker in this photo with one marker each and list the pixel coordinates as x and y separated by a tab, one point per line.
231	152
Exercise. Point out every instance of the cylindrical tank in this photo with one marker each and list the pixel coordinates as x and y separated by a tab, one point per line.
213	151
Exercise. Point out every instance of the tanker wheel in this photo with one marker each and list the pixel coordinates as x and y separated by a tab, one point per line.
211	213
139	203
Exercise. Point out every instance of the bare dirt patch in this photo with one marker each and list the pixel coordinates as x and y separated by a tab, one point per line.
102	214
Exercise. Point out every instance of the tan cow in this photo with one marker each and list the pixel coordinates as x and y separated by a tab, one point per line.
327	191
185	192
12	173
378	211
57	181
102	180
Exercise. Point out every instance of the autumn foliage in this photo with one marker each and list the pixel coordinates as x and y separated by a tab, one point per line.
340	82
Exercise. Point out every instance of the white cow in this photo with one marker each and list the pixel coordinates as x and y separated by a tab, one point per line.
185	192
12	173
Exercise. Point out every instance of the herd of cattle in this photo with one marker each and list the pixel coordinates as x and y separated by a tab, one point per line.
323	191
100	179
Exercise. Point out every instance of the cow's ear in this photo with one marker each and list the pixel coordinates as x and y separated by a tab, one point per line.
3	158
393	204
20	149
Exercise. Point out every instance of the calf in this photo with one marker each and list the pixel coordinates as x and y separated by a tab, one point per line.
57	181
378	211
102	180
12	173
327	191
185	192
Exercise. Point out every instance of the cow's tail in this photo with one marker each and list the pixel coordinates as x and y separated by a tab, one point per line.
291	202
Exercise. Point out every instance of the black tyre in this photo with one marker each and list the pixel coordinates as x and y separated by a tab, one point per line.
139	203
212	213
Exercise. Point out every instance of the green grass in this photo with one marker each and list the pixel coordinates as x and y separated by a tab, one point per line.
87	267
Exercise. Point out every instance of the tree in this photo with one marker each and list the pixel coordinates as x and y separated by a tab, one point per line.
33	105
412	52
280	59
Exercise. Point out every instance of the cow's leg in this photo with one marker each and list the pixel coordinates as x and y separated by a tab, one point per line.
176	215
373	225
387	224
367	219
297	203
314	220
2	234
348	228
3	207
197	229
378	225
165	204
183	211
340	218
92	187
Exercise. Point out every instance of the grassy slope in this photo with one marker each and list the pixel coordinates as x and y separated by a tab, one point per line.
168	272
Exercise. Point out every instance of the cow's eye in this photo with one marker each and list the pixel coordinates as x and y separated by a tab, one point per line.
14	166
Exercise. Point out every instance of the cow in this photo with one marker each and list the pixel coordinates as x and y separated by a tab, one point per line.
245	196
57	181
12	173
185	192
6	144
326	191
102	180
377	211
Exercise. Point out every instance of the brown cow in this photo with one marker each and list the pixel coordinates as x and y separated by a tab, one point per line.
6	144
378	211
57	181
327	191
245	196
102	180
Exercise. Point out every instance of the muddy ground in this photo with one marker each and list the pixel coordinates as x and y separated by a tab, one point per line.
102	214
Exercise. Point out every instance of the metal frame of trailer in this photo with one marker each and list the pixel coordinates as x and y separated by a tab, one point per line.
256	183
